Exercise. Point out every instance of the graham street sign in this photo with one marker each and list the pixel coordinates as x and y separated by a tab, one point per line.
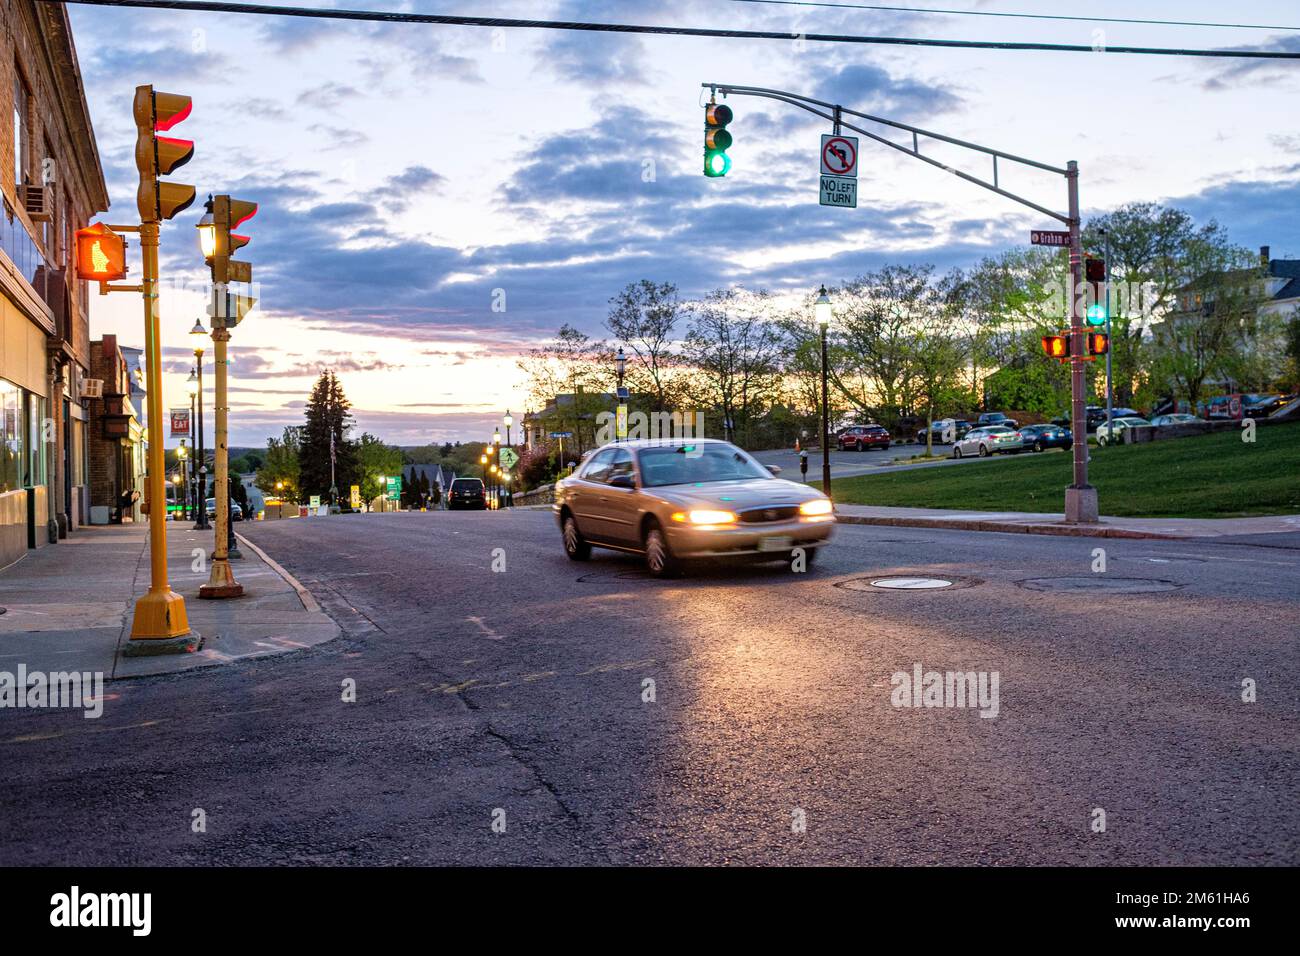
561	434
839	155
839	191
1048	237
509	457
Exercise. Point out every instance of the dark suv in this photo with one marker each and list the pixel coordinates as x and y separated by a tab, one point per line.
467	493
995	418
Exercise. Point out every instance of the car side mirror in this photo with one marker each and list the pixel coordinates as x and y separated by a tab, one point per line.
622	481
774	469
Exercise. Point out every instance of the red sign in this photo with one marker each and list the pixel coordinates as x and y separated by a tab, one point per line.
1049	237
180	422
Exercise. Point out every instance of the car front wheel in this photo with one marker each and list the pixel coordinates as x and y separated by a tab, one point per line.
984	451
956	451
659	560
575	546
1038	446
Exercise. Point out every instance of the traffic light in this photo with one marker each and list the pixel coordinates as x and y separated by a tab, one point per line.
1098	343
1094	272
219	242
716	140
159	155
101	254
1056	346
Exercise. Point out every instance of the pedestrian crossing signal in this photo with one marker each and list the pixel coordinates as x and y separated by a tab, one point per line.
101	254
1056	346
1098	343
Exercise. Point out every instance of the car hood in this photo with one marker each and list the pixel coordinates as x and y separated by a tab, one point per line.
735	495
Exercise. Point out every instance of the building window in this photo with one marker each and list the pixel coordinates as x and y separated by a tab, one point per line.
11	437
37	416
22	132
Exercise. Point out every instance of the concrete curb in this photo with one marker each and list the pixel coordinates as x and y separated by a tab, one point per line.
962	524
304	595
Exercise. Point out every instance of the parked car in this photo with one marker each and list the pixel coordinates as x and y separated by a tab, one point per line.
1176	418
1094	415
1043	437
467	493
1261	406
948	429
674	500
988	440
1115	432
994	418
236	512
862	437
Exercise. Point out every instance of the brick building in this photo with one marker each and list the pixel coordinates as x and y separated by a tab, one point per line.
115	445
51	184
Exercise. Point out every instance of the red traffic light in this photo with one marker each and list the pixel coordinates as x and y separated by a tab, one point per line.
1056	346
1098	343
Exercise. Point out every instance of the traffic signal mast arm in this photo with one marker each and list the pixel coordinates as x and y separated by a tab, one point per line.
1080	497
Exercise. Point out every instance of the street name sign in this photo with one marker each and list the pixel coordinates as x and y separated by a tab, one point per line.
509	457
839	191
1048	237
561	434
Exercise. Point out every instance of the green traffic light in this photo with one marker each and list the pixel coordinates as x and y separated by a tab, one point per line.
716	163
1096	314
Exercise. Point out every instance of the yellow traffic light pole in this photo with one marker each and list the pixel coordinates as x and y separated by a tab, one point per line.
161	612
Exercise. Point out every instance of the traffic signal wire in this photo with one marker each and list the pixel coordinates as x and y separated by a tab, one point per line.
378	16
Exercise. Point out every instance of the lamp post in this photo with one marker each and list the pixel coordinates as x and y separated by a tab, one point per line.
198	336
822	309
183	481
508	420
192	386
496	470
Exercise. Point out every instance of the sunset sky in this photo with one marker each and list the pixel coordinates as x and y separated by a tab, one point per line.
405	172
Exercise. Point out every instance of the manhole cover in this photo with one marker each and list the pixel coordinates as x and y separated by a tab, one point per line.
1100	582
911	584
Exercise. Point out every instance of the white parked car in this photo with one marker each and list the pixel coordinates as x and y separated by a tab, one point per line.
1114	433
988	440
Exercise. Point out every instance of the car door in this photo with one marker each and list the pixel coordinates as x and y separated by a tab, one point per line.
586	491
620	508
971	443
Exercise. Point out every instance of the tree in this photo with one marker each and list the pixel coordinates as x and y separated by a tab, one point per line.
576	365
281	466
735	348
643	316
938	353
373	459
328	416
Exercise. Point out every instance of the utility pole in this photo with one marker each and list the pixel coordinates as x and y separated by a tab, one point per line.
1080	497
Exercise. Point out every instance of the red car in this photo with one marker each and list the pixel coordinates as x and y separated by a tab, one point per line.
862	437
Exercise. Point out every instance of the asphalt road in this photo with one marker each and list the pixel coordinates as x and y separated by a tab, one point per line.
519	695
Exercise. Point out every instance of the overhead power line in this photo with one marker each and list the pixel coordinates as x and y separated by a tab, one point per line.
881	8
378	16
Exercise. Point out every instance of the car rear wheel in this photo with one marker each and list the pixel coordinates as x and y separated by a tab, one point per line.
956	451
575	546
1038	446
659	560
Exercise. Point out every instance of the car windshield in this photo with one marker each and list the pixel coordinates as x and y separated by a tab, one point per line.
688	464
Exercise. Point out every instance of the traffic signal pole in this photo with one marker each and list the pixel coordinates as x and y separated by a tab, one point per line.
1080	497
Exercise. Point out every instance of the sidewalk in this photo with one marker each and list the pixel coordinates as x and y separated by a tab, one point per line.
1027	523
69	606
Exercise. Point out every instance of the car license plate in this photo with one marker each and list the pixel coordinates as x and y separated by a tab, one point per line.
775	542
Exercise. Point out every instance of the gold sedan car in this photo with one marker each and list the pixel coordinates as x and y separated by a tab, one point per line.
675	500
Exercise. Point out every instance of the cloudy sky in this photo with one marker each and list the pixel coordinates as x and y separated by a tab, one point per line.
410	176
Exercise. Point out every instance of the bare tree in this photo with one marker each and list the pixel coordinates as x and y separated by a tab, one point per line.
643	316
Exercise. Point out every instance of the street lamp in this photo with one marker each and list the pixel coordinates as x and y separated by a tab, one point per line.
508	420
183	489
198	339
207	231
822	310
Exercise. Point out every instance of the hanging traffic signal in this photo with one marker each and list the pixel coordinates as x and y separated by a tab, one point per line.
716	140
159	155
219	242
101	254
1056	346
1098	343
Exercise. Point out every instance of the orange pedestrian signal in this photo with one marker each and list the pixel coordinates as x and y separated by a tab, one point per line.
1098	343
1056	346
101	254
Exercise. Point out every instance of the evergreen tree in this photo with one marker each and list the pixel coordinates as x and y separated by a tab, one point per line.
328	415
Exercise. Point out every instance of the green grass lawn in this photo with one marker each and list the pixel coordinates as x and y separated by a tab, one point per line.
1209	476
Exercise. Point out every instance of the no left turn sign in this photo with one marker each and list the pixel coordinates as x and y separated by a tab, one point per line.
839	155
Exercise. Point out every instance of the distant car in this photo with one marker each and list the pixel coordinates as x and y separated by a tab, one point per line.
672	500
994	418
948	429
862	437
988	440
1176	418
1043	437
1261	406
1115	432
236	512
467	493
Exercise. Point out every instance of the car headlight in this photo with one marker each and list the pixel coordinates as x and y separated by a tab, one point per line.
705	517
818	506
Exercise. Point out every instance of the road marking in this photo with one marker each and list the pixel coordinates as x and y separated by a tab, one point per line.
487	631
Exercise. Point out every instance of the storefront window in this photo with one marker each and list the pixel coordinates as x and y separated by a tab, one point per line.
39	436
11	437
